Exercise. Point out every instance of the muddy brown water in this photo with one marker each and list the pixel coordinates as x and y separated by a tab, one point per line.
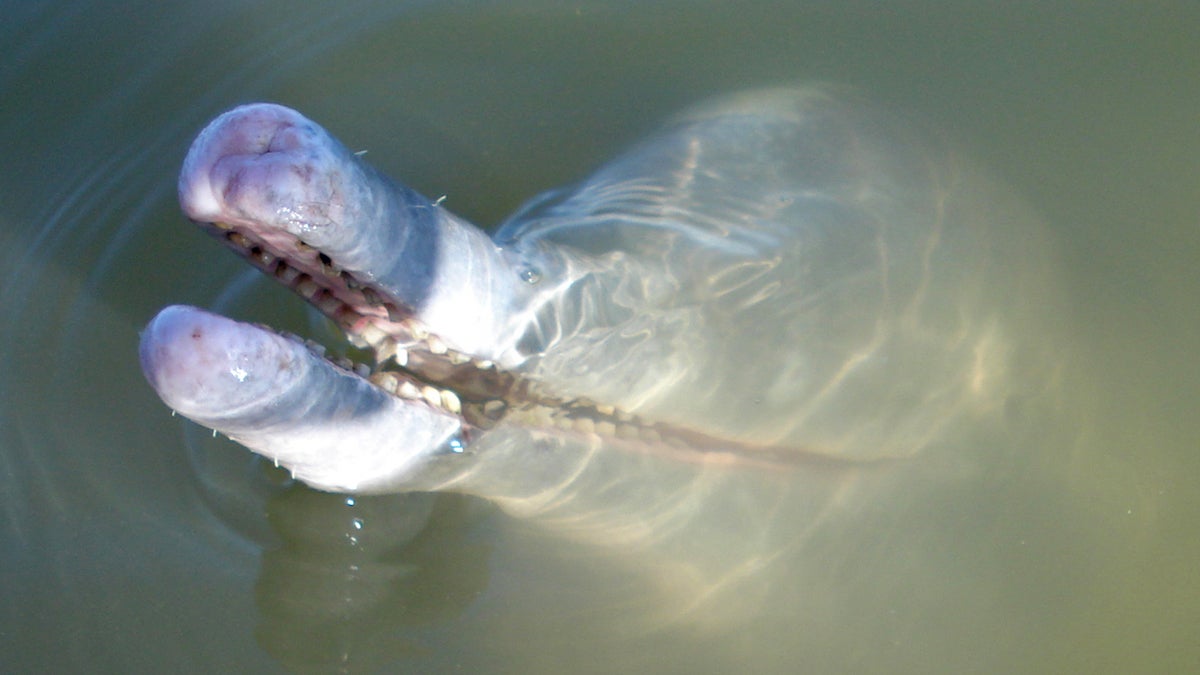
134	542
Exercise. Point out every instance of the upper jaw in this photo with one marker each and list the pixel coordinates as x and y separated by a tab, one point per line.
284	194
436	301
257	145
293	192
410	361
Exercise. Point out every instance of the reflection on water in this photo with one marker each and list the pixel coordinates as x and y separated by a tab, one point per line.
121	554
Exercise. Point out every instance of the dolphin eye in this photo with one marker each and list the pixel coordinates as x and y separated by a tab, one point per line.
530	275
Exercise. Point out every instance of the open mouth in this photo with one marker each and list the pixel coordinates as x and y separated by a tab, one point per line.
414	364
410	362
441	309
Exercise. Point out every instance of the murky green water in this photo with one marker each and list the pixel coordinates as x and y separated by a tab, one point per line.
133	543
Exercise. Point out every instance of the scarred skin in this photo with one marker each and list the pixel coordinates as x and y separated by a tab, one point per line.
779	294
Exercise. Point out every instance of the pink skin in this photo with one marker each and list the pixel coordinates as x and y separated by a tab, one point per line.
268	171
329	426
204	366
775	271
312	186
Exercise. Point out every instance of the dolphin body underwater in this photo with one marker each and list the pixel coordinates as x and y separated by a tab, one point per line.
720	339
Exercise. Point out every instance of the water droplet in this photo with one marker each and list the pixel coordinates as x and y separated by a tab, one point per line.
357	523
350	501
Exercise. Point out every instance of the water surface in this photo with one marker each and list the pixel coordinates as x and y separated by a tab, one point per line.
134	542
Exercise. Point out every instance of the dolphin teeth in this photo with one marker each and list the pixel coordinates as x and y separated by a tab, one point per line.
307	287
431	395
408	390
372	335
541	416
458	358
436	346
329	304
411	327
390	349
450	401
287	274
386	381
585	424
264	258
385	351
483	365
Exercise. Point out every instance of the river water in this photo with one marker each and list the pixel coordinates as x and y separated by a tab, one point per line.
133	542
